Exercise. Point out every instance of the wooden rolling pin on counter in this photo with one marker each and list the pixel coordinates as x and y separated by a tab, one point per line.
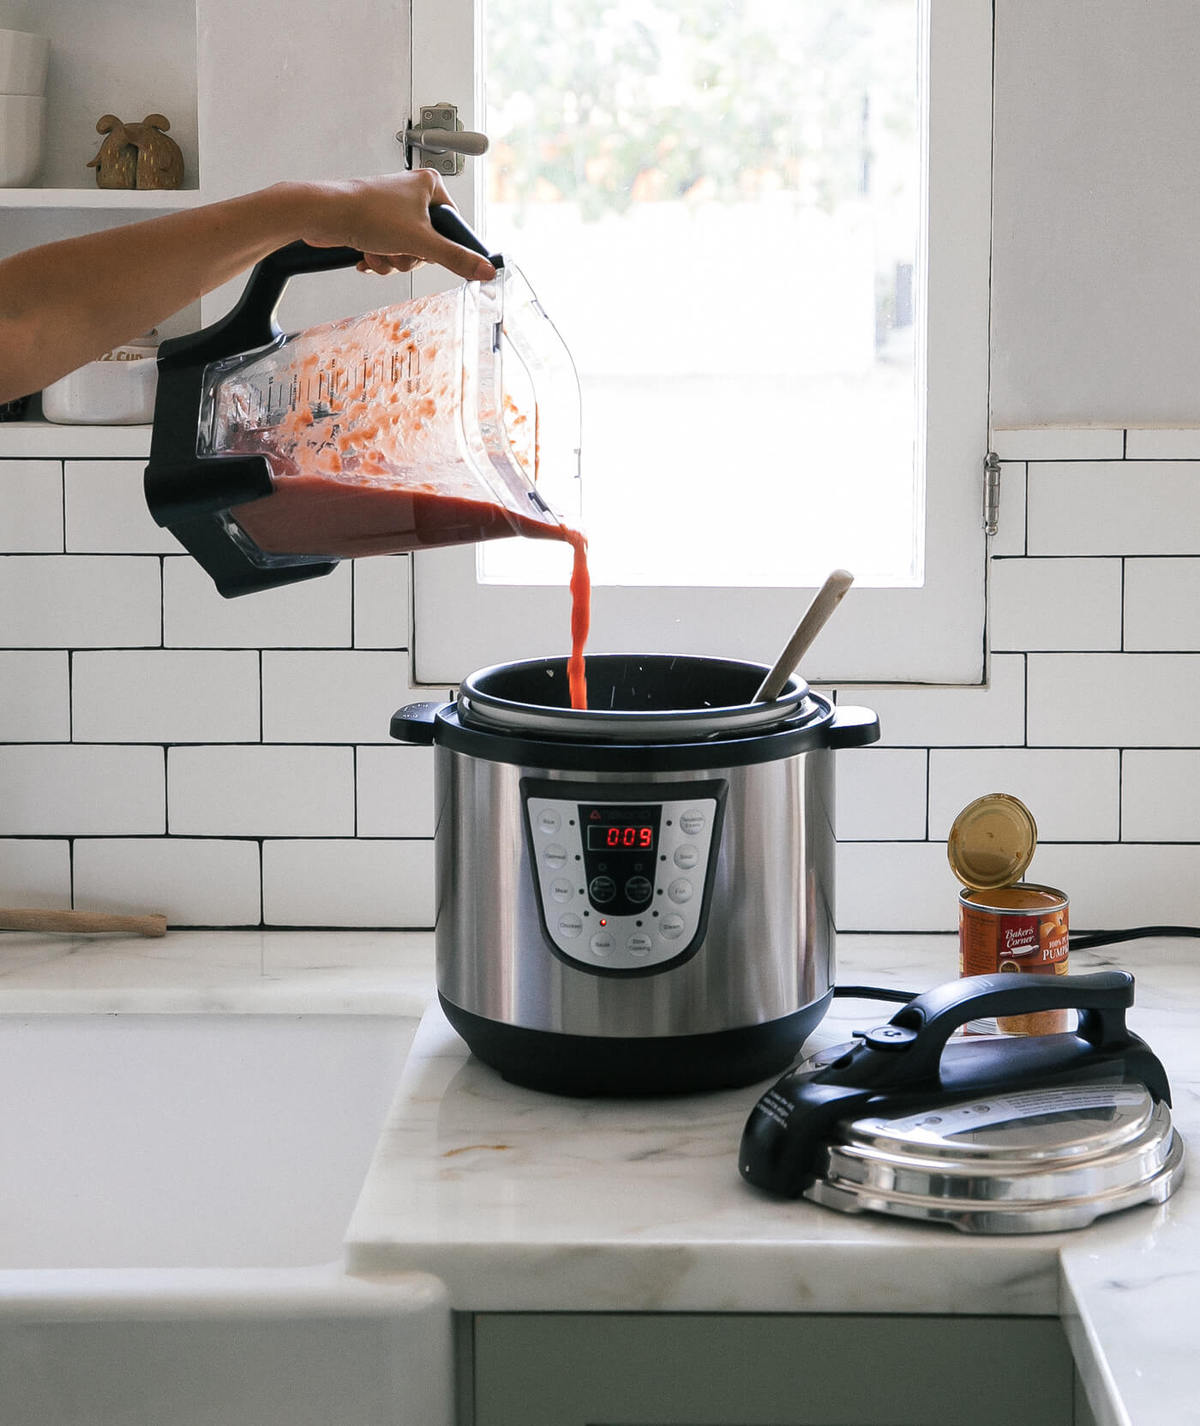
80	923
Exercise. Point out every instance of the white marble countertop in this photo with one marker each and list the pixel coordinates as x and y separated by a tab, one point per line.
520	1200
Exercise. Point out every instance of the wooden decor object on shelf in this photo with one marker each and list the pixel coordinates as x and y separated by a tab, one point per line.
137	155
116	161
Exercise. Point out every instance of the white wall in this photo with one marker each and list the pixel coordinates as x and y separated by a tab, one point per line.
1096	275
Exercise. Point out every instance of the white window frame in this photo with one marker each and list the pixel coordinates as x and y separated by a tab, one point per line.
931	634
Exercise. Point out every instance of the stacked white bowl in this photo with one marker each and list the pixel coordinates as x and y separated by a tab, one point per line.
23	62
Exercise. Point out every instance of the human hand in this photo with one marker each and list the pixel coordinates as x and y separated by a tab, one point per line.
387	219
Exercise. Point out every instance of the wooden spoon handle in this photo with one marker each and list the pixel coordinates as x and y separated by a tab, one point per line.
828	597
81	923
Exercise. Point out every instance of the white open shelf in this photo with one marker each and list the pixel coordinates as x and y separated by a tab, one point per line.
46	440
115	199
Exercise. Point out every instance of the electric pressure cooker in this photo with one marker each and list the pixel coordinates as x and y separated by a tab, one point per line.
636	898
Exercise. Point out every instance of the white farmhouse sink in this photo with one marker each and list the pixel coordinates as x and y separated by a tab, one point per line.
173	1195
188	1140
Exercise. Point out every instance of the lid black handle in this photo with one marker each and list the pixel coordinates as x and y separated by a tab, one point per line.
922	1027
907	1062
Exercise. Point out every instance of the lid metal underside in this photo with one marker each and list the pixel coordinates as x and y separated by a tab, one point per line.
1025	1162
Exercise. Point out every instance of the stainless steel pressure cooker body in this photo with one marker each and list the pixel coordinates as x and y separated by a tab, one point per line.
635	899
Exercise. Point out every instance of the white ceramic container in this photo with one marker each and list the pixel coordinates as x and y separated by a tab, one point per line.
22	128
23	62
105	393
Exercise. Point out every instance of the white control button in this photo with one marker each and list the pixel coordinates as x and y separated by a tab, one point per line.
560	889
686	856
602	944
570	925
680	890
639	944
671	927
691	822
548	821
555	856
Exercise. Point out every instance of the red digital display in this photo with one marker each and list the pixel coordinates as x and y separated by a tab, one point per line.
630	837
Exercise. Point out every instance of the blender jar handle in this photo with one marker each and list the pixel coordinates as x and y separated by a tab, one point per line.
272	274
251	323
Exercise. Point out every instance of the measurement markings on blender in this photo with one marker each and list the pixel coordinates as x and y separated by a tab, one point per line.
632	855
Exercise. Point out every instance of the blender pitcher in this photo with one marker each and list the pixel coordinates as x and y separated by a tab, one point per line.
425	423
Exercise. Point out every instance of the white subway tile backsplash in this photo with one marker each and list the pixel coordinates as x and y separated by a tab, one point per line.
274	709
165	696
66	789
106	510
1073	793
31	506
348	883
1160	795
382	602
1118	886
898	886
1045	443
314	613
35	696
1154	443
1009	538
1055	604
881	794
1114	508
332	697
79	601
192	882
261	791
989	716
395	792
1114	700
1162	604
35	871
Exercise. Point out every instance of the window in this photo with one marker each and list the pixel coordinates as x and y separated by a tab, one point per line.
763	231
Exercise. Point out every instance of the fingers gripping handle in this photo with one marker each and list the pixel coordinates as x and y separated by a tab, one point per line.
252	322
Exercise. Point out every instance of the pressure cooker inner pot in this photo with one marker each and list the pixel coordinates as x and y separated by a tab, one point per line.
634	697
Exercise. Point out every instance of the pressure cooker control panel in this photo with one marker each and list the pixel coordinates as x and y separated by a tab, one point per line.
623	885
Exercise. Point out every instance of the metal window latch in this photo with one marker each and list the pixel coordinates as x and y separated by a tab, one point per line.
991	493
440	141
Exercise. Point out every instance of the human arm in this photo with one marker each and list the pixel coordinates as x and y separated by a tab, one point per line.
68	302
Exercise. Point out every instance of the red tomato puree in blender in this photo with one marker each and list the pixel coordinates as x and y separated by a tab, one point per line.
314	515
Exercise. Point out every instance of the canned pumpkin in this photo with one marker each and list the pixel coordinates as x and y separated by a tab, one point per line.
1005	924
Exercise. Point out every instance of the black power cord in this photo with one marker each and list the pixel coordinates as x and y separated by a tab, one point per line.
1086	941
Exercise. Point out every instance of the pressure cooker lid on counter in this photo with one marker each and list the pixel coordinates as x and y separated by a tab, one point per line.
1008	1135
636	698
1035	1161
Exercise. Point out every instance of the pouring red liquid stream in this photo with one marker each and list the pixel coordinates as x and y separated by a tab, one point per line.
314	515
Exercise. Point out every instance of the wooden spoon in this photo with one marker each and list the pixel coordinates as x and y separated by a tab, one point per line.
828	597
80	923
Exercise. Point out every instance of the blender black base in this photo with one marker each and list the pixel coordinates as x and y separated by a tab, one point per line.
601	1065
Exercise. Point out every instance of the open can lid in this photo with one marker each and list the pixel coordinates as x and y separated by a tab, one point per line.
992	841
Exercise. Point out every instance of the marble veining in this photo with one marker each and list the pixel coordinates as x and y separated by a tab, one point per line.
520	1200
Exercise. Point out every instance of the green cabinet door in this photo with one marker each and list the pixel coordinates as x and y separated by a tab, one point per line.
618	1369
